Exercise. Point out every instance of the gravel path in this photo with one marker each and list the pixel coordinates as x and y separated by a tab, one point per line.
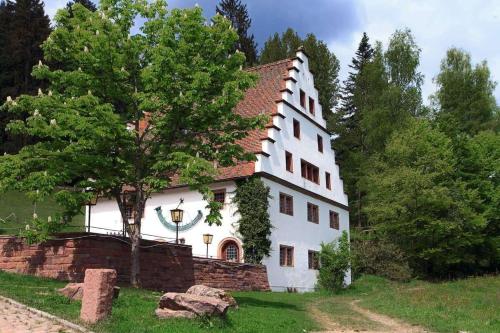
17	318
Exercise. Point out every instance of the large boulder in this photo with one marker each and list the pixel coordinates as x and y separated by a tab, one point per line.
73	291
199	305
202	290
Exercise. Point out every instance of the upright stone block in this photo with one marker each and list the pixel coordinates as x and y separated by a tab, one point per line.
98	292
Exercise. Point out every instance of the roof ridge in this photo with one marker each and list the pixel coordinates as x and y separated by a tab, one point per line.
275	63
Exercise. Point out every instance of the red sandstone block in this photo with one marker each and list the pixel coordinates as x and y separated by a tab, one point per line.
98	294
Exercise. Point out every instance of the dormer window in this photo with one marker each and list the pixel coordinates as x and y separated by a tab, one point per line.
302	98
311	106
296	128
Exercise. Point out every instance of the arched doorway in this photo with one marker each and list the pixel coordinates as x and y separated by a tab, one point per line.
230	250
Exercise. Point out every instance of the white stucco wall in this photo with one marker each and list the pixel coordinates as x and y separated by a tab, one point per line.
303	235
106	215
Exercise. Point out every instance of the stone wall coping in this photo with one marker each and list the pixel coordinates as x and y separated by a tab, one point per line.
84	235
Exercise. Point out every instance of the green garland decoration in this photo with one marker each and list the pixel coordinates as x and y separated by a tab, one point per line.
171	226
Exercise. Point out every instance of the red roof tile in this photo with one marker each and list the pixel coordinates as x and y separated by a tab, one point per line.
260	99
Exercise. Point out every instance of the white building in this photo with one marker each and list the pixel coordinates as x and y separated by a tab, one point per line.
296	161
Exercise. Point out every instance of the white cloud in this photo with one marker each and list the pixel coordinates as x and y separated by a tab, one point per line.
436	25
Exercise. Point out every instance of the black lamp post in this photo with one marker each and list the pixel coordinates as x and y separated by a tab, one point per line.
207	239
90	203
176	218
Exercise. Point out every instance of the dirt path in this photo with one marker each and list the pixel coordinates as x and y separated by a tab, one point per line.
383	323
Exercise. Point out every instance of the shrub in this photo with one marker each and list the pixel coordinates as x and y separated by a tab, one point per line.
335	262
252	198
373	254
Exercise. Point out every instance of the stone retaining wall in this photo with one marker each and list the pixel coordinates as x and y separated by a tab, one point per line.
229	275
164	266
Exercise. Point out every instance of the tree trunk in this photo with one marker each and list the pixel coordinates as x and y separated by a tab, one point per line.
135	265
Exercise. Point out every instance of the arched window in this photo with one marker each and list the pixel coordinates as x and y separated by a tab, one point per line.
230	251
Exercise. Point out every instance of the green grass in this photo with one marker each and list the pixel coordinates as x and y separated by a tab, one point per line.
133	311
16	210
469	305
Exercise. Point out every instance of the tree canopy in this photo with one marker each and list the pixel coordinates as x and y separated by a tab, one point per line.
237	13
418	203
464	100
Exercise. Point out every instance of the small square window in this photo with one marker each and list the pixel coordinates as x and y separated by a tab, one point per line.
286	255
311	106
320	143
286	204
296	128
313	259
334	220
220	196
328	181
312	213
302	98
288	161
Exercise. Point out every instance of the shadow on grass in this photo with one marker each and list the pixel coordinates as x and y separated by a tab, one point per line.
251	301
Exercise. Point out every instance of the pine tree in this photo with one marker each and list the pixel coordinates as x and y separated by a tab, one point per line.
345	123
322	62
23	27
237	13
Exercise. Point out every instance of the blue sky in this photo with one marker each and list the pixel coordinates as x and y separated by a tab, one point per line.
473	25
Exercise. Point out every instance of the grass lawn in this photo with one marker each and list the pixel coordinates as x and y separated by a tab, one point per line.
133	311
16	209
470	305
467	305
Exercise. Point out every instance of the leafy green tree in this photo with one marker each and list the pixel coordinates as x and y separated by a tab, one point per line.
237	13
480	169
335	261
464	100
23	27
345	123
395	95
416	200
86	3
322	62
252	199
129	114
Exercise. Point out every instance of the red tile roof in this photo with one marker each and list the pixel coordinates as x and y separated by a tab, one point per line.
261	99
